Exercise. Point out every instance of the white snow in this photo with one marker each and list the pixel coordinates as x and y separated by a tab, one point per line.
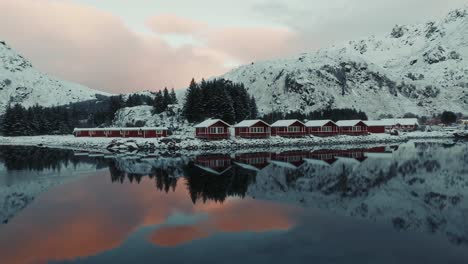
249	123
285	123
318	123
401	121
348	123
210	122
422	69
23	84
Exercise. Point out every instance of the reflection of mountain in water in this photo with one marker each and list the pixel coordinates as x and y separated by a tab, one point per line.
420	186
414	186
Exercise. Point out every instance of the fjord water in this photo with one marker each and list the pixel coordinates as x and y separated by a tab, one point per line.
376	204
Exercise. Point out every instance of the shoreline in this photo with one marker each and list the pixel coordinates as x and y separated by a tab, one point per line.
188	144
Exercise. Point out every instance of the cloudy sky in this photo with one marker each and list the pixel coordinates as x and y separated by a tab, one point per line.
131	45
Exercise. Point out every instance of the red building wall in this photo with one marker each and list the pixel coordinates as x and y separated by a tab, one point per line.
283	131
349	130
204	133
244	132
317	131
376	129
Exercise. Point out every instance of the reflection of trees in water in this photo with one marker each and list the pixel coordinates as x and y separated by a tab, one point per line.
39	159
205	186
163	179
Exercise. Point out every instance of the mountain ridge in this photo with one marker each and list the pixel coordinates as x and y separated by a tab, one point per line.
420	68
21	83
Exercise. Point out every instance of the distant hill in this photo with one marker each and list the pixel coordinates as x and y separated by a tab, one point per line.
421	69
21	83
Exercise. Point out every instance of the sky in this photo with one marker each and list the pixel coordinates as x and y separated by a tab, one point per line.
123	46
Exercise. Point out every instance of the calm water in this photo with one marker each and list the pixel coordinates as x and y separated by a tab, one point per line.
403	203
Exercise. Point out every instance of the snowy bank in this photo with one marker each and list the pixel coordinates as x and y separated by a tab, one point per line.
177	143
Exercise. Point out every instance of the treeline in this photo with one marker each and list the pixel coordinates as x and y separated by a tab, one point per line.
160	100
332	114
218	98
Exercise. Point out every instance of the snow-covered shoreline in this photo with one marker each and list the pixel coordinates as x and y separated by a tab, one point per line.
177	143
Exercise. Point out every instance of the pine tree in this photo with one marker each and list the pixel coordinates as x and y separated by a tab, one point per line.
166	98
173	97
253	108
158	103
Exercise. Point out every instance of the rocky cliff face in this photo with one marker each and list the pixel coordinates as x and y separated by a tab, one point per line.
21	83
417	68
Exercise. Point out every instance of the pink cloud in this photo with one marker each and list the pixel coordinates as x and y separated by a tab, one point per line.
90	46
251	44
173	24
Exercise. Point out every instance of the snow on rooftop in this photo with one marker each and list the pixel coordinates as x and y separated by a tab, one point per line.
318	123
378	123
210	122
347	123
249	123
402	121
285	123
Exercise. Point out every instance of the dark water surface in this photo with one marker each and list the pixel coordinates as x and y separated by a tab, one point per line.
404	203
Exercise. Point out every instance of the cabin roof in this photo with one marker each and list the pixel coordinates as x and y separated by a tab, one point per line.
120	129
210	122
378	123
402	121
348	123
285	123
318	123
249	123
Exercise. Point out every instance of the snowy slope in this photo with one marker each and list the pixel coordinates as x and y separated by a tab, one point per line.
419	68
21	83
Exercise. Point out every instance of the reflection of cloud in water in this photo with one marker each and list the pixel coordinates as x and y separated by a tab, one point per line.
90	216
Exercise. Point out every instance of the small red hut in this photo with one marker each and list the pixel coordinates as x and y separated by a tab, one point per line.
212	129
288	128
322	128
214	163
252	129
143	132
352	127
377	126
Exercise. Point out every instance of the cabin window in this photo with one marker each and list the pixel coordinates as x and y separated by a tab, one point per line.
216	130
257	130
327	129
140	132
294	129
159	132
356	128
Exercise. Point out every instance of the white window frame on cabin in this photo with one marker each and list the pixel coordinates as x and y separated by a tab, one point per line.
257	130
327	129
294	129
357	129
216	130
159	132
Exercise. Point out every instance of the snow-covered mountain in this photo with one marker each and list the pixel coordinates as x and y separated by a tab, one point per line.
21	83
418	68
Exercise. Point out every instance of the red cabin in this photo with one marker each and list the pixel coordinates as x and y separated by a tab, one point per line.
322	128
376	126
134	132
252	129
212	129
405	124
352	127
288	128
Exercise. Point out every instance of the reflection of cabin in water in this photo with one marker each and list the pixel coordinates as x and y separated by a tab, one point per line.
296	158
215	163
255	161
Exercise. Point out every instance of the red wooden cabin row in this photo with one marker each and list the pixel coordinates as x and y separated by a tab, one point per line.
111	132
